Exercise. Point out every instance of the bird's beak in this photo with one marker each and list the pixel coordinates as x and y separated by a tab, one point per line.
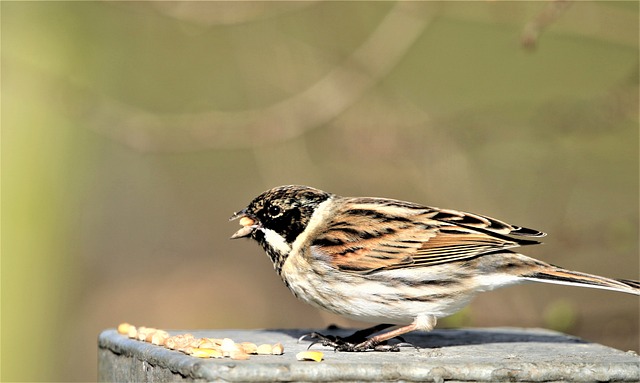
248	224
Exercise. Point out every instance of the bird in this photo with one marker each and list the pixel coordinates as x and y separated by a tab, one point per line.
399	264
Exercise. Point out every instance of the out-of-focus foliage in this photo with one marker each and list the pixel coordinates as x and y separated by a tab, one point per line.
132	130
560	315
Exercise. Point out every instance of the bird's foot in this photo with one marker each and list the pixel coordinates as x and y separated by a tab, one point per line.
353	343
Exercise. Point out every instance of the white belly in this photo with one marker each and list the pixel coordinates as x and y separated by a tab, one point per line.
380	297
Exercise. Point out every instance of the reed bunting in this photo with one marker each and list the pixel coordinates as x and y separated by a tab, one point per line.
393	262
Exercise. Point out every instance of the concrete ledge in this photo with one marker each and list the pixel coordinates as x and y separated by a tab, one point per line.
465	355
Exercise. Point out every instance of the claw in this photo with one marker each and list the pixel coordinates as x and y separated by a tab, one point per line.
325	342
303	337
311	345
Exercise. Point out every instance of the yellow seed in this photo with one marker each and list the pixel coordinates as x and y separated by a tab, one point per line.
208	344
123	328
205	353
264	349
278	349
246	221
249	348
310	355
215	353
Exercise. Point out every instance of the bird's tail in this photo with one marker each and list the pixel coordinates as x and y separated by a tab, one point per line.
575	278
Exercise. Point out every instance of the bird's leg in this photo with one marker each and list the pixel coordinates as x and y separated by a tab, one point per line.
361	335
350	341
423	323
378	342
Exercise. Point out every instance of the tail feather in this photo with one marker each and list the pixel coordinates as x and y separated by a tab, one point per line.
576	278
628	282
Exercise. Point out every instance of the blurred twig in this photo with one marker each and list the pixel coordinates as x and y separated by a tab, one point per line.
319	103
225	13
553	10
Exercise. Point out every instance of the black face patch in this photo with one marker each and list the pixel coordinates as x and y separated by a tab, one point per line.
286	209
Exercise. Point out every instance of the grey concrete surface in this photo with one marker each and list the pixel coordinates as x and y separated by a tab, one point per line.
464	355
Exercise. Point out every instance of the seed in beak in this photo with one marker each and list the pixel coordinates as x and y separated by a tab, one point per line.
246	221
248	226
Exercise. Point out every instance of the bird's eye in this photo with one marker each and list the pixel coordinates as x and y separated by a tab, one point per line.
274	211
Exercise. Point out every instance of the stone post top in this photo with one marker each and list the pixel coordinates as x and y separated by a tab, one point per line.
480	355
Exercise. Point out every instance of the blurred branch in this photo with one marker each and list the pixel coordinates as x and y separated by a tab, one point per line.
318	104
605	21
549	14
225	13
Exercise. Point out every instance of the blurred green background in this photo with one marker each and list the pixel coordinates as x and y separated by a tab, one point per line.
132	130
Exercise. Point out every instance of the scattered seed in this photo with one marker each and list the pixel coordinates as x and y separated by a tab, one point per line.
170	343
206	353
123	328
208	344
196	342
278	349
200	347
310	355
145	332
187	349
159	337
227	346
264	349
188	336
249	348
133	332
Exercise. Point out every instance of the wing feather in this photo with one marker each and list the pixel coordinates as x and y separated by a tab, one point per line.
369	234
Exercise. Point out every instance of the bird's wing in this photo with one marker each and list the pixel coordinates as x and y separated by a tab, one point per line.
368	235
